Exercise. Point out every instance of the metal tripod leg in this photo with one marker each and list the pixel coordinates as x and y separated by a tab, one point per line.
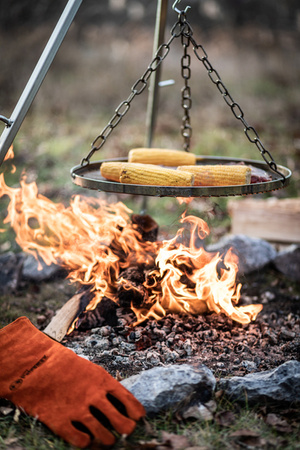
13	124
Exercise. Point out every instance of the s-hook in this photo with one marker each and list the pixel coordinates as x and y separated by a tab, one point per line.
174	7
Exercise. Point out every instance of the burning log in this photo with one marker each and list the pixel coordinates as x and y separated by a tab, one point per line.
146	226
131	289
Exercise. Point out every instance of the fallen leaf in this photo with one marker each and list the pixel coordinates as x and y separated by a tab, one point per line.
219	394
225	418
278	423
244	432
10	440
248	437
175	441
149	430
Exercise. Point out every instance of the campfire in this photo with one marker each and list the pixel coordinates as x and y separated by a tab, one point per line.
150	300
116	255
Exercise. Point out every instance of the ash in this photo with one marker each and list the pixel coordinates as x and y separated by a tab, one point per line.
226	347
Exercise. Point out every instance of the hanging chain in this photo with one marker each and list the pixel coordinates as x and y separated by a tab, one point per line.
182	28
186	98
237	111
138	87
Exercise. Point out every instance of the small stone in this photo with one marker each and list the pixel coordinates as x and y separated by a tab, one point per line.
287	335
220	365
188	347
250	366
116	341
127	347
96	342
153	358
105	331
269	295
199	412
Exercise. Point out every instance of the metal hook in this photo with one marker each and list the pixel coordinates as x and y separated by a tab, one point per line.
7	121
177	10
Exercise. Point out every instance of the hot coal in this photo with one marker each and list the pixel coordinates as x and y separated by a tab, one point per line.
105	313
226	347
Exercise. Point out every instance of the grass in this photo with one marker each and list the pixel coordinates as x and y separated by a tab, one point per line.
246	428
24	432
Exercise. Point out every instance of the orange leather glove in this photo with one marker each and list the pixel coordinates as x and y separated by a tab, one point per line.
75	398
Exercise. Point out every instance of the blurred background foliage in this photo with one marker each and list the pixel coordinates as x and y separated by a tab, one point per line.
273	14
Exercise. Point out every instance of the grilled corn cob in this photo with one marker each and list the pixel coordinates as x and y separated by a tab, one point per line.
219	175
149	174
111	170
161	156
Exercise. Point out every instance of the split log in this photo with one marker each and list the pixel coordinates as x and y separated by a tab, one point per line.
61	322
275	220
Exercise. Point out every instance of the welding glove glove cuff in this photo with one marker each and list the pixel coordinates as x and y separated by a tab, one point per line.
75	398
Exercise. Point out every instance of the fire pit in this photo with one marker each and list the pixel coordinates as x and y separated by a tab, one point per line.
143	301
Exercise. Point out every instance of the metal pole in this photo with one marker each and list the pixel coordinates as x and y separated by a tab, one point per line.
160	25
37	76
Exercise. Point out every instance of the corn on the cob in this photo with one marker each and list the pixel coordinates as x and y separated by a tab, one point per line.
111	170
161	156
148	174
219	175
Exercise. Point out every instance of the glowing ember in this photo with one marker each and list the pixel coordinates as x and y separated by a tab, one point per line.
96	241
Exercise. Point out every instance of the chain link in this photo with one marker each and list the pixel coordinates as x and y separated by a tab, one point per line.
236	109
138	87
186	99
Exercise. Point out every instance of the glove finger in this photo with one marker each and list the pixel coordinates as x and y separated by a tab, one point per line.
111	418
95	429
121	396
77	436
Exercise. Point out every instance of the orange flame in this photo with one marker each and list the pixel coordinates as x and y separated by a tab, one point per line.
95	241
10	155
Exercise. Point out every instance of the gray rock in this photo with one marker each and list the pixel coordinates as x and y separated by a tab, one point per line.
32	272
10	271
288	262
278	385
174	386
253	253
